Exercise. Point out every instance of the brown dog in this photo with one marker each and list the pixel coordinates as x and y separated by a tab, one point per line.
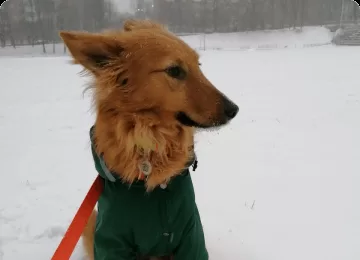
150	95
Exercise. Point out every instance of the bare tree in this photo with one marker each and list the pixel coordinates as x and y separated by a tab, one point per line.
215	13
42	13
355	8
304	5
5	25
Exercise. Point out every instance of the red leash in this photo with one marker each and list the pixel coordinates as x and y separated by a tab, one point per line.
73	234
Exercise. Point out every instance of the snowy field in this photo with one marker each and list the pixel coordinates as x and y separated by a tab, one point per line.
281	182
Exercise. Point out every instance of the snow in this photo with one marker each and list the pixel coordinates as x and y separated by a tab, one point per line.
261	39
281	182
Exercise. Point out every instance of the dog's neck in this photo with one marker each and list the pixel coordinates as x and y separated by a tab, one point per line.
125	144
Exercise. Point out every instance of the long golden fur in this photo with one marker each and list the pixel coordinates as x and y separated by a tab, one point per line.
141	109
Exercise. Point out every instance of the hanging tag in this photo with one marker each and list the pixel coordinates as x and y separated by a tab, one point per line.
145	167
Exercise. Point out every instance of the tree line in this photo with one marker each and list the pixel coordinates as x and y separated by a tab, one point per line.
249	15
32	22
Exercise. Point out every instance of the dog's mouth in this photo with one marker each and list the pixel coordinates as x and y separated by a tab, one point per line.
228	111
184	119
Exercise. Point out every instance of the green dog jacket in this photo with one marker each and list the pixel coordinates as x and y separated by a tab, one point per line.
132	222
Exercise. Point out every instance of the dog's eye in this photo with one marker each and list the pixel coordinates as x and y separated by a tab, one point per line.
176	72
124	82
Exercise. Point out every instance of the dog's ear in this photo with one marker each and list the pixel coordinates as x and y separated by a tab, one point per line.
93	51
132	25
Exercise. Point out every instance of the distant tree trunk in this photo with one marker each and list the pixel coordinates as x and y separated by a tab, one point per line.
253	17
295	11
42	33
215	10
2	40
355	11
32	31
272	14
109	11
2	29
10	34
44	47
304	5
284	10
6	26
260	10
54	30
12	40
204	21
40	23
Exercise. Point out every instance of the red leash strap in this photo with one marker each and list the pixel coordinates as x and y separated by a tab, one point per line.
73	234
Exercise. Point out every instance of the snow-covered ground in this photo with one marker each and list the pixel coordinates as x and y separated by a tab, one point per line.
281	182
272	39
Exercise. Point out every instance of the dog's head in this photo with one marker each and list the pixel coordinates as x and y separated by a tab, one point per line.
146	72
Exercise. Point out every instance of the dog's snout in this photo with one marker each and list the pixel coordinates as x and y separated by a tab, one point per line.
230	109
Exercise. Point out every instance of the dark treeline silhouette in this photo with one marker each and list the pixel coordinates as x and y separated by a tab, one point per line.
249	15
33	22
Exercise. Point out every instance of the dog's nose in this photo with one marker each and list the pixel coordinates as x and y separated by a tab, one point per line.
230	109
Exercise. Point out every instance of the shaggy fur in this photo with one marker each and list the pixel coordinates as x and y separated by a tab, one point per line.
142	110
